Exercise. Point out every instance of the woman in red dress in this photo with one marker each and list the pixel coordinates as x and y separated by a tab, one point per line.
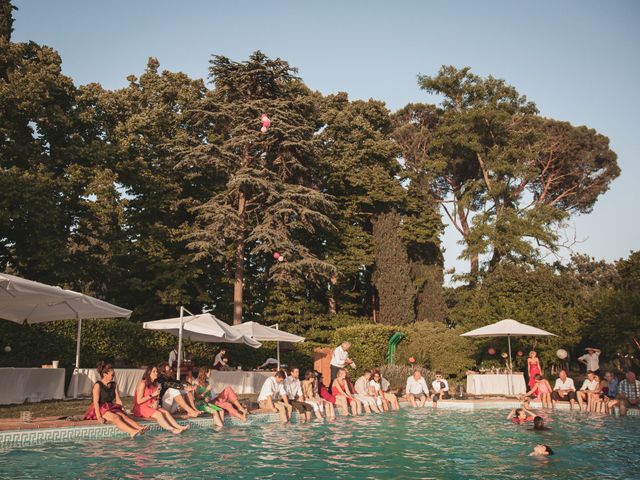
344	394
145	402
107	405
533	364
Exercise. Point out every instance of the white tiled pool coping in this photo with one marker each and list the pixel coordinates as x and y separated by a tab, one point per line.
19	438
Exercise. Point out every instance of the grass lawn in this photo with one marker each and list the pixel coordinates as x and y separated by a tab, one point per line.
60	408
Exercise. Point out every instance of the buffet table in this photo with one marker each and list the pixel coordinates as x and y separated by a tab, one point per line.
31	384
496	384
242	382
126	379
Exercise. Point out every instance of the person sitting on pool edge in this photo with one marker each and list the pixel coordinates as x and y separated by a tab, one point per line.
541	450
363	394
174	394
628	392
145	402
564	390
416	388
440	388
204	402
107	405
386	390
227	400
344	394
521	415
293	387
273	396
590	385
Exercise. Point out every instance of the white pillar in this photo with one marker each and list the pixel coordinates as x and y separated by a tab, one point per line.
180	341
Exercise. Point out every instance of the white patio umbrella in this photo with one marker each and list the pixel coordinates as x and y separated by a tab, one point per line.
267	334
508	328
199	328
24	300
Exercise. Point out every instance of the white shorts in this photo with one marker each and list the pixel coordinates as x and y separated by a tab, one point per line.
317	406
168	398
366	399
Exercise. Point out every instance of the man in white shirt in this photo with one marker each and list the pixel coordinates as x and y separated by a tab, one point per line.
293	387
340	359
564	390
417	388
220	362
589	385
273	396
440	388
364	395
591	359
173	357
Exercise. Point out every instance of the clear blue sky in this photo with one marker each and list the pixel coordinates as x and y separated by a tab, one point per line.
578	60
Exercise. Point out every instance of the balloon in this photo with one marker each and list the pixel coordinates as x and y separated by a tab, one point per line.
504	355
520	353
266	123
491	351
562	354
281	258
263	129
276	255
412	360
7	349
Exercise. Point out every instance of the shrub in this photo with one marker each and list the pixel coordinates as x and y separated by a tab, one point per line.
369	343
437	347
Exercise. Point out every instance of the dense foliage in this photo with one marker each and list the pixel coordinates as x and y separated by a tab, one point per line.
166	192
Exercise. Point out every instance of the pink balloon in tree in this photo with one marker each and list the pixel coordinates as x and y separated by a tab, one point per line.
276	255
266	123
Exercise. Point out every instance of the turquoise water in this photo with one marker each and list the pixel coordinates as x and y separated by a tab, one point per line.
407	444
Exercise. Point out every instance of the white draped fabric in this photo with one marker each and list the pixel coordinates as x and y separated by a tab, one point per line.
31	384
242	382
126	379
488	384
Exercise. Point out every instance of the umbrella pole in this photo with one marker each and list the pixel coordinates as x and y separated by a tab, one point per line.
278	349
76	371
510	372
180	341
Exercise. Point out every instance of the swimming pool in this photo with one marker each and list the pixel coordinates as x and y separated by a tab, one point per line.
406	444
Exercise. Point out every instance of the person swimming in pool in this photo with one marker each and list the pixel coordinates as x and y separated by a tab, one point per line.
541	450
520	415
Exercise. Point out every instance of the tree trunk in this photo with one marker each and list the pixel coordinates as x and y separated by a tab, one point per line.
332	299
474	261
238	286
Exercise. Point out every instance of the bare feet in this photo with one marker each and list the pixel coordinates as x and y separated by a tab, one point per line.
177	431
184	428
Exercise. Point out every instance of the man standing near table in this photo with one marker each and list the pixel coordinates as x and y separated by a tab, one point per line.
173	357
340	359
564	390
591	359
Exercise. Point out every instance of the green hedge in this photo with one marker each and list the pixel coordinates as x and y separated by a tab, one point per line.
437	347
126	344
369	343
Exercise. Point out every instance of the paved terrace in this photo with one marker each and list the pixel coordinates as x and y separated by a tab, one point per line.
15	433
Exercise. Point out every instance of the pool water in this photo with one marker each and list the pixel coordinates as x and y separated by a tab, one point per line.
421	444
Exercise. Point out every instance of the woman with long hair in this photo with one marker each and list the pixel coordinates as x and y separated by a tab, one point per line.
204	402
533	364
106	405
145	402
542	389
344	395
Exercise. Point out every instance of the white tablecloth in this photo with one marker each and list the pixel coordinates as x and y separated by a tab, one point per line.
242	382
32	384
126	379
479	384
